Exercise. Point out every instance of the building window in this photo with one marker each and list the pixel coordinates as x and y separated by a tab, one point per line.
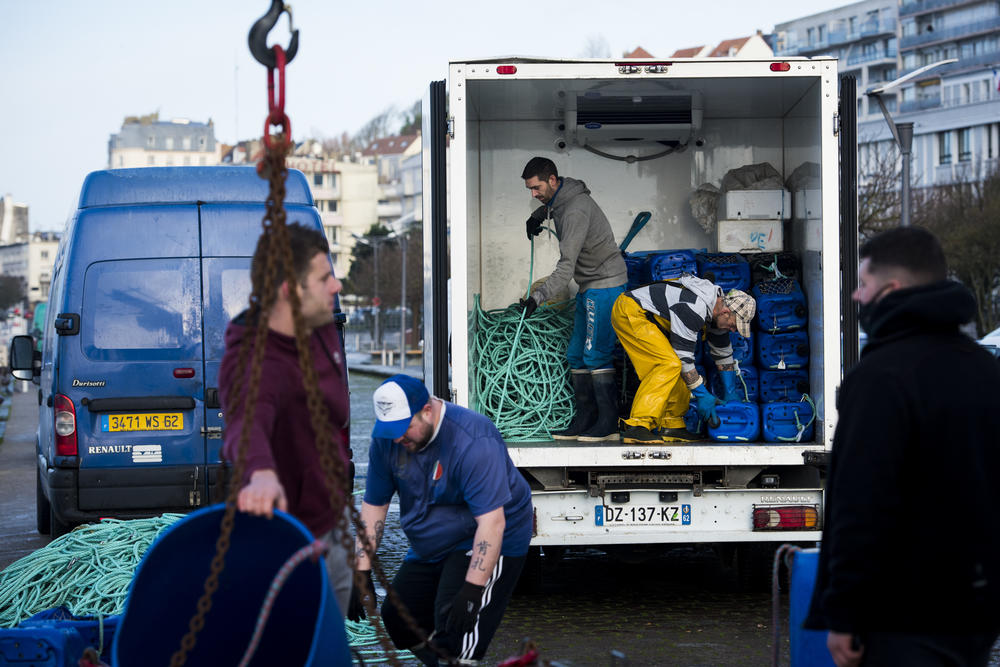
150	140
810	36
187	143
333	180
170	143
989	142
45	254
318	179
201	142
852	27
821	34
965	144
944	147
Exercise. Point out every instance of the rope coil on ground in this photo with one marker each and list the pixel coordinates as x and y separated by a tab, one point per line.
520	374
88	570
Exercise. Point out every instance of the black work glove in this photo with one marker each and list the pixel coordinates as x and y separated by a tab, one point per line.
465	609
533	226
356	606
528	305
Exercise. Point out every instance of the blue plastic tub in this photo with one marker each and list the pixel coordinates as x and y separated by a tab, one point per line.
746	384
782	351
780	421
728	270
808	647
305	626
742	348
738	422
783	385
97	632
781	306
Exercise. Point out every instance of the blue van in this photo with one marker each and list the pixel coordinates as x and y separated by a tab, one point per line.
151	268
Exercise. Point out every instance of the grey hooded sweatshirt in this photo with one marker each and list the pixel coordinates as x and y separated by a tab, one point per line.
587	249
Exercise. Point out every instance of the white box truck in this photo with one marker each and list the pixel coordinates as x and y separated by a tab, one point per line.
712	115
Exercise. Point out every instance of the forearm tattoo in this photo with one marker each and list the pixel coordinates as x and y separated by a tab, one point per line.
379	530
690	377
726	367
483	547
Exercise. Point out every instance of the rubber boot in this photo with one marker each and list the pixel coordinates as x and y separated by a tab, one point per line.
606	397
586	410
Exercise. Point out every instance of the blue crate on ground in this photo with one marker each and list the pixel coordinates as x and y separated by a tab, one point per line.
747	384
781	421
40	646
783	385
97	632
738	423
782	351
781	305
728	270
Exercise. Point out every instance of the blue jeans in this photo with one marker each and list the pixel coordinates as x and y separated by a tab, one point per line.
592	344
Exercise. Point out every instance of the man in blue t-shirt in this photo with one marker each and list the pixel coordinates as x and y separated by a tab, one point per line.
465	509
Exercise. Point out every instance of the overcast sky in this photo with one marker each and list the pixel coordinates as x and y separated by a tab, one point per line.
73	70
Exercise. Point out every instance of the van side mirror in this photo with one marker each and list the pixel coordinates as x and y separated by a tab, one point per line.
25	360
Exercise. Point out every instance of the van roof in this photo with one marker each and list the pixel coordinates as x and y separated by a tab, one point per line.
162	185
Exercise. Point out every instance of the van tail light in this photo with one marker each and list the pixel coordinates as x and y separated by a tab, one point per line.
790	517
65	426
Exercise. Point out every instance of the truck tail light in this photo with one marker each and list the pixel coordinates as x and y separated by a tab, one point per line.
65	426
506	69
780	67
790	517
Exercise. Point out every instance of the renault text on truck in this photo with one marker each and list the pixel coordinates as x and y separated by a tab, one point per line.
645	136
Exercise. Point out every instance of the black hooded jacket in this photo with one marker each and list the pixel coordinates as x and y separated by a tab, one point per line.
911	540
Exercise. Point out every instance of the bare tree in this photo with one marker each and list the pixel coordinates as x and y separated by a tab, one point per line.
412	119
879	176
596	47
966	217
378	127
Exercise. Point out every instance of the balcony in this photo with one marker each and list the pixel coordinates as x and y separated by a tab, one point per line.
924	103
926	6
963	65
858	58
951	34
883	27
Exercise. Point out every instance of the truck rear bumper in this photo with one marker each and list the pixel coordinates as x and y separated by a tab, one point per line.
574	518
83	495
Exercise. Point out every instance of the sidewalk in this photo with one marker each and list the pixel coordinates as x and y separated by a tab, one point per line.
18	463
361	362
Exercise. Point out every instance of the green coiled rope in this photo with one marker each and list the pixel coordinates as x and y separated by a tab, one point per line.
88	570
520	372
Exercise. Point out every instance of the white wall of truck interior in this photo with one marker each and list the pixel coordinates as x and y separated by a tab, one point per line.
497	129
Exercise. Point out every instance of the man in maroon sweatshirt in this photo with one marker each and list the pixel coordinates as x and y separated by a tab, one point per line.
283	468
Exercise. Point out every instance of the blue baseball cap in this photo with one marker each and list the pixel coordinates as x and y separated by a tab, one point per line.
396	401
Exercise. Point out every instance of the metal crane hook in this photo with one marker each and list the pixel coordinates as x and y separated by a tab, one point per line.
257	39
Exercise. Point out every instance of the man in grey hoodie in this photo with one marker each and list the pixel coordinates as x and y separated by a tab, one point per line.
588	254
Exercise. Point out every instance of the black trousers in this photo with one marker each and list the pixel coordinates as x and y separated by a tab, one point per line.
428	589
927	650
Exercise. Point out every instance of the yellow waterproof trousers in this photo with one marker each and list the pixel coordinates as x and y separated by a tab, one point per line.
662	397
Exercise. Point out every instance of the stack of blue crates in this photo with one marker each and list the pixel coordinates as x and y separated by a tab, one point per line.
782	348
648	266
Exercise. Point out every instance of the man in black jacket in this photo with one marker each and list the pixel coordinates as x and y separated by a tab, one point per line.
909	569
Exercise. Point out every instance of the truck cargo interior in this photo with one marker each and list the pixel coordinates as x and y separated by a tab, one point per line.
743	121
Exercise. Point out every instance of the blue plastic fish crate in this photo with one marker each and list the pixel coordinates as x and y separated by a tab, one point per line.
692	422
648	266
742	348
771	265
781	305
778	421
96	632
40	646
782	351
738	422
728	270
783	385
746	382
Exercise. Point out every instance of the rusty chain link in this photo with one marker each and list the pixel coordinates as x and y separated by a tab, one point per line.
278	268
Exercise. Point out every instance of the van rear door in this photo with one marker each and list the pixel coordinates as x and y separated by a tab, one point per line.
135	370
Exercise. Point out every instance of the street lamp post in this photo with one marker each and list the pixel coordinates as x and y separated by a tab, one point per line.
902	133
402	306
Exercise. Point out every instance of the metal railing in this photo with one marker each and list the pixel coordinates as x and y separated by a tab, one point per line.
929	102
986	59
868	57
950	34
924	6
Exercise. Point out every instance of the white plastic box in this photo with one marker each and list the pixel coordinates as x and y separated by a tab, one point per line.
755	205
750	235
807	204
